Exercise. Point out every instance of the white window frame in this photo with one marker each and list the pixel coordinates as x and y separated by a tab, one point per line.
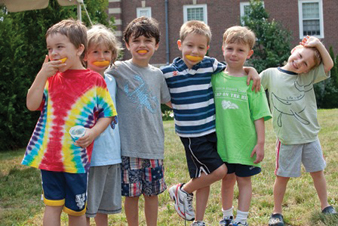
138	11
205	11
242	6
321	20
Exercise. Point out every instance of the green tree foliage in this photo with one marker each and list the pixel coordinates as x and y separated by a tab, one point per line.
22	51
327	91
273	41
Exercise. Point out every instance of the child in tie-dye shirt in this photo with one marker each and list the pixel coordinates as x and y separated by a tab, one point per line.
67	94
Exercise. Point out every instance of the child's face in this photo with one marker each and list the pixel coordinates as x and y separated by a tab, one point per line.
235	54
302	60
99	58
60	47
142	49
193	47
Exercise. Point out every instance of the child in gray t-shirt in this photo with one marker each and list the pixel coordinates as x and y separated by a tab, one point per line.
141	88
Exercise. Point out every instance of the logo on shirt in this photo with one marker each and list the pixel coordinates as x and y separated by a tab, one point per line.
228	105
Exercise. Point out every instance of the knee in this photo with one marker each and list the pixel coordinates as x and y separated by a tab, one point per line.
221	172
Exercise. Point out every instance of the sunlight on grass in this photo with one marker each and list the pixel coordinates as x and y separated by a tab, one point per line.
20	186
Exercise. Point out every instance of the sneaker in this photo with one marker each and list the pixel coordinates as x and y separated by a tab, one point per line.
276	220
233	223
226	221
183	202
329	210
198	223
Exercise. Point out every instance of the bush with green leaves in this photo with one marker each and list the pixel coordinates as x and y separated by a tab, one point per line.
23	49
327	91
272	46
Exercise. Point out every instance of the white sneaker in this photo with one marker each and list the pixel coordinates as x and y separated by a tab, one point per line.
183	202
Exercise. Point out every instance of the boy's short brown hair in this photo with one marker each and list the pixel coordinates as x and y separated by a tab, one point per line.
100	35
239	34
195	27
316	55
74	30
145	26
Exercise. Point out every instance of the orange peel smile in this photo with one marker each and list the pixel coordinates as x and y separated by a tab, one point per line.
101	63
63	59
142	51
193	58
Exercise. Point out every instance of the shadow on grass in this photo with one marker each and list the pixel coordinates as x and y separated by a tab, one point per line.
20	195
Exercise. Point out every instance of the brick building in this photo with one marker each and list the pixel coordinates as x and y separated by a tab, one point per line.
301	17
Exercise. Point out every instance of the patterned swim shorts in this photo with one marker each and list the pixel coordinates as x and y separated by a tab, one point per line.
142	176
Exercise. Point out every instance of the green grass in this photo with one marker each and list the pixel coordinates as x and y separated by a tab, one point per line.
20	186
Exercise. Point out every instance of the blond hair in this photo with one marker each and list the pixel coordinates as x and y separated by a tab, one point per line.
101	35
316	55
239	34
195	27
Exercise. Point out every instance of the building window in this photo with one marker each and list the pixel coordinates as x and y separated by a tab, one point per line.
245	10
310	18
195	12
145	11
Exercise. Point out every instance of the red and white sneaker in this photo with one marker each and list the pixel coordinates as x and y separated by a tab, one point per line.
183	202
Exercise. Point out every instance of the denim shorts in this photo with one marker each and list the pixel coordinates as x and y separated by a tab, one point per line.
142	176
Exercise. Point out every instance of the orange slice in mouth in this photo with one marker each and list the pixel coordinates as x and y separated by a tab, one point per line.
101	63
63	59
193	58
142	51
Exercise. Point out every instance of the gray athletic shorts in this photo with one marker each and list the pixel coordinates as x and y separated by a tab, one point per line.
104	190
290	157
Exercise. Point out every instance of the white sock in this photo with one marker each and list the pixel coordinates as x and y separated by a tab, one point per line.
228	213
241	216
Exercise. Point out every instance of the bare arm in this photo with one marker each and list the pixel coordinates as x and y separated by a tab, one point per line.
254	76
311	41
169	104
94	132
35	92
259	148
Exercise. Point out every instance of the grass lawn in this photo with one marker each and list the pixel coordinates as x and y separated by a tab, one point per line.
20	186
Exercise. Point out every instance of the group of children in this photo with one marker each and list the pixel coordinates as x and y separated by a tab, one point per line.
219	112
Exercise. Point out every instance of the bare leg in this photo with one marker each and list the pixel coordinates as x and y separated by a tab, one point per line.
101	219
205	180
77	220
227	190
131	210
279	189
245	193
151	209
88	221
52	216
320	185
202	196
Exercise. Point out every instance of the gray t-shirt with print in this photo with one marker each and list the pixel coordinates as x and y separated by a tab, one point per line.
140	92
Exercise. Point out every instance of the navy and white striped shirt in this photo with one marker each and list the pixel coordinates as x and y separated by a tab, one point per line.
192	97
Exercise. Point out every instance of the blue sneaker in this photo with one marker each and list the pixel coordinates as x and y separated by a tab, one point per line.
233	223
226	221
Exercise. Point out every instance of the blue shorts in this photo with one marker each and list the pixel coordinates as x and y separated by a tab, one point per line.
65	189
142	176
242	170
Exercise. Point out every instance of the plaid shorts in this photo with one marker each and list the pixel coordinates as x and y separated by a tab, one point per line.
142	176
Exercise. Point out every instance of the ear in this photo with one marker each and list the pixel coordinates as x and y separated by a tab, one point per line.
179	44
250	54
127	45
80	50
156	46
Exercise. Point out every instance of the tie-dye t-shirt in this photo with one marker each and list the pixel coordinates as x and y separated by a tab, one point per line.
74	97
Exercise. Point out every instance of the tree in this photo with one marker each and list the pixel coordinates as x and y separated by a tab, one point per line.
23	48
327	91
272	47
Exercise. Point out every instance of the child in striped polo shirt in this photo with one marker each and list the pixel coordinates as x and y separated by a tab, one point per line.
189	82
